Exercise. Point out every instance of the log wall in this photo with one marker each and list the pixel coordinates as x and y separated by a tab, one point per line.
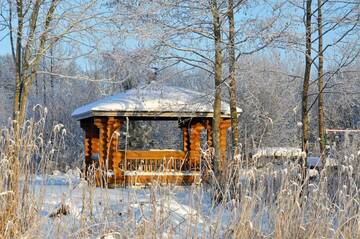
101	138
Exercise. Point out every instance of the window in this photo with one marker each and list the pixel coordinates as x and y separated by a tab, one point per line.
151	134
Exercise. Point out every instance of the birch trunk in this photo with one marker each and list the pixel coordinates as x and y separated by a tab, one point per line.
306	83
218	80
321	110
26	66
233	88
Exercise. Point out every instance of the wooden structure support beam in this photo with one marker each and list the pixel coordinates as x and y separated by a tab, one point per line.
115	167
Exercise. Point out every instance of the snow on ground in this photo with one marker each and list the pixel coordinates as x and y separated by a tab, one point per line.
169	211
278	152
172	211
181	208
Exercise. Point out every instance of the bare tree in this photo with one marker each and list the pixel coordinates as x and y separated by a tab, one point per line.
218	81
321	110
26	61
306	82
340	23
34	27
232	78
185	36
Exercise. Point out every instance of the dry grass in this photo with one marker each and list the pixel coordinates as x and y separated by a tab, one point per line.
256	203
22	154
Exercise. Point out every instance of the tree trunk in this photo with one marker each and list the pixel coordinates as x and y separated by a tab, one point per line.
19	84
308	63
17	99
233	89
321	111
26	71
218	80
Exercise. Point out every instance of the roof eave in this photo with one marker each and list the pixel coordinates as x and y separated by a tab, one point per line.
157	114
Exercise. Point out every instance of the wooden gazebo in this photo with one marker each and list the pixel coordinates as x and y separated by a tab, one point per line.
102	119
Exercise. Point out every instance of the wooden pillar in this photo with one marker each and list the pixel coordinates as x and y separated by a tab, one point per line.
94	140
224	125
195	154
209	133
186	147
90	142
109	150
87	143
185	139
114	146
109	137
101	124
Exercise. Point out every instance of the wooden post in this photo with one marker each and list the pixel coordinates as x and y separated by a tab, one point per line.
209	133
224	125
90	142
87	145
114	145
109	149
185	139
195	154
186	144
101	124
110	136
94	140
86	126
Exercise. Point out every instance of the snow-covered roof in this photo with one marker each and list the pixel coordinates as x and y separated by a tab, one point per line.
154	100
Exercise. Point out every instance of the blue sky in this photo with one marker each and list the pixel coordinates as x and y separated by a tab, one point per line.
131	43
4	44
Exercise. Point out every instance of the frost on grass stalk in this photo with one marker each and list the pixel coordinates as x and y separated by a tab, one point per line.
20	159
270	201
256	202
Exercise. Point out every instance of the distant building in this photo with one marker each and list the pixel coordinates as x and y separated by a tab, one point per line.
262	156
343	138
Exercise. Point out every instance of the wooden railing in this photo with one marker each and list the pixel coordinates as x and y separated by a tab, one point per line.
151	161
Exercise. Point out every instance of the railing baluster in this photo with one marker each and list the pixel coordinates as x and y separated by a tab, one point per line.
154	162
